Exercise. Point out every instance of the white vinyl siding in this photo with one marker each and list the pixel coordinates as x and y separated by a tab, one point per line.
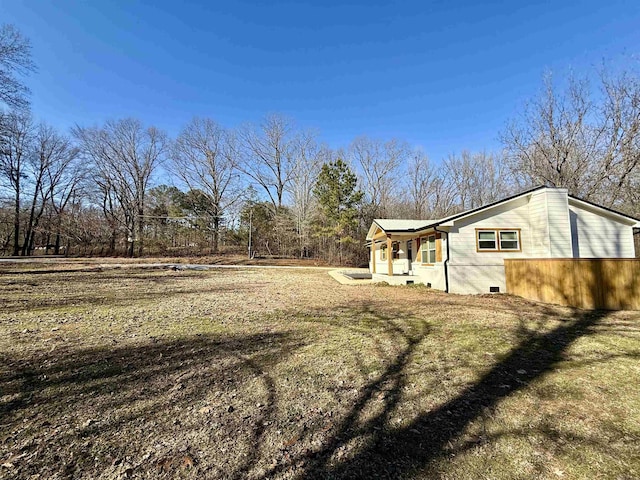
474	271
400	263
598	236
549	224
559	226
510	216
476	278
539	225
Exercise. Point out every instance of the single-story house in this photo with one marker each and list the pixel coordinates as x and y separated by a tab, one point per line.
465	253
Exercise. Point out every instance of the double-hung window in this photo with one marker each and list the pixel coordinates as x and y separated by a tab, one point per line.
487	240
383	251
509	240
428	249
498	240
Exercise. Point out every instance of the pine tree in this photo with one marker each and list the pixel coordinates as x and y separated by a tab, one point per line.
338	200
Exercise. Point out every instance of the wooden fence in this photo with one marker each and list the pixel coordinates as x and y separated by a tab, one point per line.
600	283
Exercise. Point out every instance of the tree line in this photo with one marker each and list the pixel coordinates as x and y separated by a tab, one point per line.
274	188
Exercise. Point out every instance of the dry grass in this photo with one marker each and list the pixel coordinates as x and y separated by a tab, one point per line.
287	374
61	263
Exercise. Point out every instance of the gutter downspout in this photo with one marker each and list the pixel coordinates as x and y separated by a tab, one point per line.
446	262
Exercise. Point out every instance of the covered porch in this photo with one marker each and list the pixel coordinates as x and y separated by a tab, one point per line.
393	253
406	251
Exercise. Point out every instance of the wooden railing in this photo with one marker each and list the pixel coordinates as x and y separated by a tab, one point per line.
601	283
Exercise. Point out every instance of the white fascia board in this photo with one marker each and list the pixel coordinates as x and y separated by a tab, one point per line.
605	212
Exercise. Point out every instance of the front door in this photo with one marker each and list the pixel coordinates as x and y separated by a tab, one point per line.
410	254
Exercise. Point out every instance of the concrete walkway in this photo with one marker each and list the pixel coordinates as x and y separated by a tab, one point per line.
339	276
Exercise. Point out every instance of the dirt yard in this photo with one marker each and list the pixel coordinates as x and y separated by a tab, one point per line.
258	373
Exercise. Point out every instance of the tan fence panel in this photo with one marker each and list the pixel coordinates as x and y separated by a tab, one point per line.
598	283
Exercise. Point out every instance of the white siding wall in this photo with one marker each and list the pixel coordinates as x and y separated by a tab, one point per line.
539	225
474	272
476	278
400	265
559	225
597	236
463	234
433	274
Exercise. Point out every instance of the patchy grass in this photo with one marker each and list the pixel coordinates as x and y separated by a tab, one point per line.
287	374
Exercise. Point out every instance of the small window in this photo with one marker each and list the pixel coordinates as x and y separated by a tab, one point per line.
487	240
428	248
383	251
509	240
395	250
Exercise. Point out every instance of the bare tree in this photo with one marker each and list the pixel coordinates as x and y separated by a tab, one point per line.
577	140
51	158
67	177
205	158
309	157
125	155
620	152
424	186
6	227
15	61
103	191
16	130
268	156
378	164
476	178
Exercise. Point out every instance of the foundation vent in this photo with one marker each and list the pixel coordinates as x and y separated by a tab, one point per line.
494	289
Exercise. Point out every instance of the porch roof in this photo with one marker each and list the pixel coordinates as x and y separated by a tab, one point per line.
394	225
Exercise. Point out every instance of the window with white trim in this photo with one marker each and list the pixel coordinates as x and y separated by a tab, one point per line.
428	249
509	240
383	251
487	240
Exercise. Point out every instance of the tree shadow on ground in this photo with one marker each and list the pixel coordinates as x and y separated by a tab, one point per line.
402	452
210	403
83	412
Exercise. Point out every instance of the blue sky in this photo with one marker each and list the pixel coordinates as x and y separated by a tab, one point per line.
443	75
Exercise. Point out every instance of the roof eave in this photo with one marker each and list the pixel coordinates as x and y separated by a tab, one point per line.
634	222
449	221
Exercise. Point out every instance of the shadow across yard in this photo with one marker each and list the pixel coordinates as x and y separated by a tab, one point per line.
381	383
398	453
84	412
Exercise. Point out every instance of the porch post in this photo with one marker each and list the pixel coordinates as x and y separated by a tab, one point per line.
389	257
373	256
